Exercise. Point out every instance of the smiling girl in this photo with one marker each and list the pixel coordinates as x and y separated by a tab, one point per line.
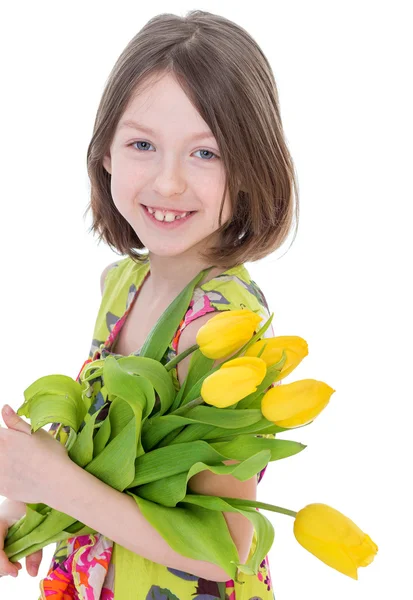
189	169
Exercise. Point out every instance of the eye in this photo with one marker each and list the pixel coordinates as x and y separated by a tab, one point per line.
139	142
208	152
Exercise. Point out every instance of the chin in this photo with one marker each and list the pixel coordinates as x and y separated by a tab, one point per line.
165	251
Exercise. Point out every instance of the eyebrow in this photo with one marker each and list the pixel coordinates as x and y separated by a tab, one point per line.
129	124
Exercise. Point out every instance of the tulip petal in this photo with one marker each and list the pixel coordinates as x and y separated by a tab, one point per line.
296	403
364	553
235	380
295	347
221	391
226	332
331	554
334	538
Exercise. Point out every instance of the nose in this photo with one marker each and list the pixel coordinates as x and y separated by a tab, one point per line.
169	179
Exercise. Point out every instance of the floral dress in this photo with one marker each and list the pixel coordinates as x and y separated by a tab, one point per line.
83	567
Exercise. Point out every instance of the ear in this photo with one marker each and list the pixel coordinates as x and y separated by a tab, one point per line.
107	163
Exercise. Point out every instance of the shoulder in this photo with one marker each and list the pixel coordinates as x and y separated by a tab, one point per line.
105	272
123	270
232	289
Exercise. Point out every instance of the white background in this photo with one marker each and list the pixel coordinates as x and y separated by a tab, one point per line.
344	79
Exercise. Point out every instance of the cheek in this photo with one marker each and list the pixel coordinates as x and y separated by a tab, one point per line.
214	209
126	183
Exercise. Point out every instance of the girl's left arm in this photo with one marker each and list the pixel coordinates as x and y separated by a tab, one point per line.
117	516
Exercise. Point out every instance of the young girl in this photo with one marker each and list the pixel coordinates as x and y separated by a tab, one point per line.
189	169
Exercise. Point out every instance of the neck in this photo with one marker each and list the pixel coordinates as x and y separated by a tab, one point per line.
170	275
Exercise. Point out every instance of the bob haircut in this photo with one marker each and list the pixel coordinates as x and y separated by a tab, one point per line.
228	79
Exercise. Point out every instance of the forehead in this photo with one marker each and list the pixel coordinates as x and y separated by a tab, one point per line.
160	104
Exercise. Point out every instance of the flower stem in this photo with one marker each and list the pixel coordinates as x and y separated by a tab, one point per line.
183	409
241	502
169	365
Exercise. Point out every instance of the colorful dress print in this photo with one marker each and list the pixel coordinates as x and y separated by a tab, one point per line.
82	567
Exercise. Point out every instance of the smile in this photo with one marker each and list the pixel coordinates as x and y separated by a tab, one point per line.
177	220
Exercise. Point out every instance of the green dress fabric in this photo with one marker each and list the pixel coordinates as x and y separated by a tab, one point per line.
84	567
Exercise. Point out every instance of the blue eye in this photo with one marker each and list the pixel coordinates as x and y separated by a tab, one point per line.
140	143
208	152
144	149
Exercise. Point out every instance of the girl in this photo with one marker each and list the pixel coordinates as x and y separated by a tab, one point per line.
189	168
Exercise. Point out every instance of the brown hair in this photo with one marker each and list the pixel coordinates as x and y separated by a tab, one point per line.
230	82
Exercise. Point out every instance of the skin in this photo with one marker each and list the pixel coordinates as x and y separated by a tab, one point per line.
168	169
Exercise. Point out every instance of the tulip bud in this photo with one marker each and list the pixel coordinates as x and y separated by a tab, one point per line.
297	403
227	332
295	347
334	538
234	380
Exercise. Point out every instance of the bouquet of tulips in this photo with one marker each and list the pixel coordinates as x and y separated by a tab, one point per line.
155	437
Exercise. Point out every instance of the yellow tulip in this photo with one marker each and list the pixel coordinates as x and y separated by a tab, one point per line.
226	332
296	348
296	403
334	538
233	381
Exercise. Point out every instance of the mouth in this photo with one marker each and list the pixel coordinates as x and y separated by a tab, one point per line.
177	221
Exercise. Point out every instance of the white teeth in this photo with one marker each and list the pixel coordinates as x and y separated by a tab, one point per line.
169	217
165	216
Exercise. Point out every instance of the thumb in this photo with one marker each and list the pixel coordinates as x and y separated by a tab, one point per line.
14	421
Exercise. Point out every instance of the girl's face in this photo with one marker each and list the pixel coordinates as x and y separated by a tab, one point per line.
164	156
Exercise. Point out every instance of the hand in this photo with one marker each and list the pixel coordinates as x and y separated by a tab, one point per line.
12	568
28	461
6	566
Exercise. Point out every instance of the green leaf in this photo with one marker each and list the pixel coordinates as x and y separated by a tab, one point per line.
193	531
261	426
51	399
190	433
134	391
157	428
115	465
199	366
154	372
164	329
195	390
61	385
81	451
243	446
40	527
224	417
102	437
168	491
172	460
262	526
34	530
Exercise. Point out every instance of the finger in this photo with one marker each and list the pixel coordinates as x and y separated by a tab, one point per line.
13	421
33	561
11	569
